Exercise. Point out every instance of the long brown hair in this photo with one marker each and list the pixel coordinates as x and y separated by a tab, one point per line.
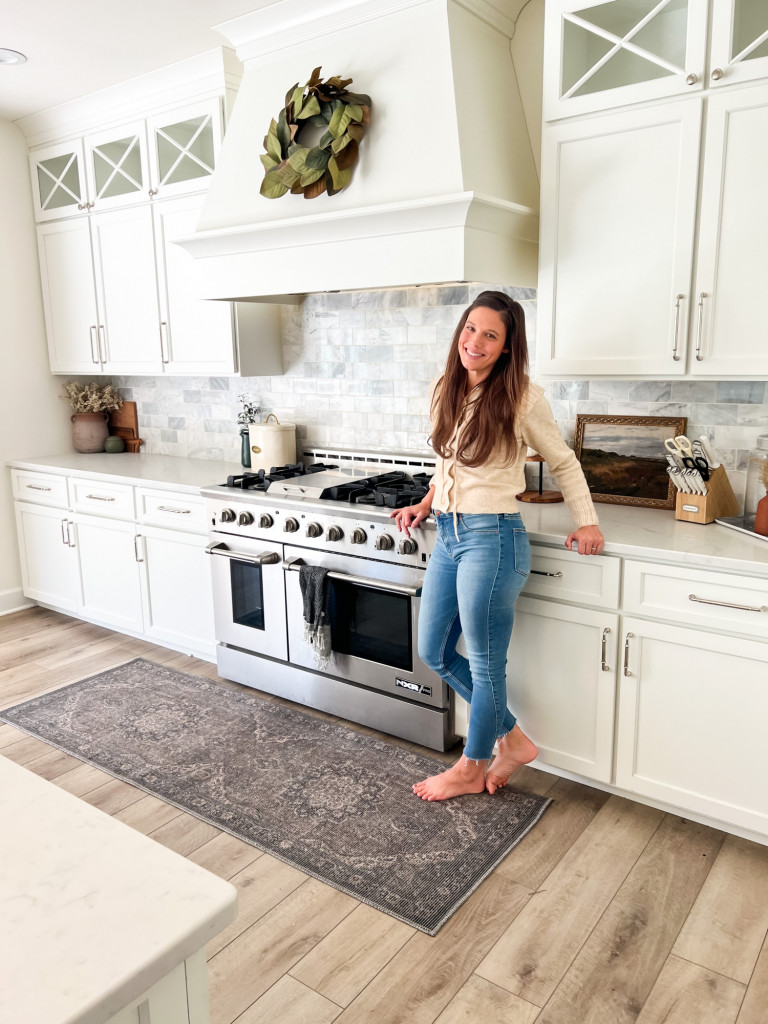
492	420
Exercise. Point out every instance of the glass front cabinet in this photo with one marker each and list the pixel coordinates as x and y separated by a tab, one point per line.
610	53
166	155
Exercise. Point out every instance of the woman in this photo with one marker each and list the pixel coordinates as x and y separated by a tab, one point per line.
485	413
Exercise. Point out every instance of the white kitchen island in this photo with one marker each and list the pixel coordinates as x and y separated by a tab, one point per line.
99	923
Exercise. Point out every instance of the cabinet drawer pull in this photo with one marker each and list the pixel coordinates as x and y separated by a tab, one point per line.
37	487
136	540
604	651
540	572
627	638
699	322
178	511
675	354
98	497
727	604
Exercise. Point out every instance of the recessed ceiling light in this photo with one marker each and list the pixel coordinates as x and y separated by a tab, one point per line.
11	57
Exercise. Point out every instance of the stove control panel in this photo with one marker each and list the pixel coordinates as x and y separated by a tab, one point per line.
364	533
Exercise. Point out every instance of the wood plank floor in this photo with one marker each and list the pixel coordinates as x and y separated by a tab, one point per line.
609	912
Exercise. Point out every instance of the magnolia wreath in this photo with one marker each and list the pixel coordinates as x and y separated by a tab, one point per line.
327	165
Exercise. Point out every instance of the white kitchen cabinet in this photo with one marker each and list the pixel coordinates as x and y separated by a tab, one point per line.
729	337
616	250
198	335
691	725
565	703
69	296
49	570
130	558
116	166
739	47
109	558
176	589
58	180
163	155
609	53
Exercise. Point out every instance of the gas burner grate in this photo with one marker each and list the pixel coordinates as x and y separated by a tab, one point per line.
260	480
390	490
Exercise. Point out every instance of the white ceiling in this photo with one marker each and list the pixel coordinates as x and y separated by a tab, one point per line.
78	46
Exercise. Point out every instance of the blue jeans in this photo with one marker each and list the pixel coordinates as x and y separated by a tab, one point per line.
471	586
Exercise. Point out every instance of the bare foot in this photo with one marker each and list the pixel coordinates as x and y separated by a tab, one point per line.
515	749
463	777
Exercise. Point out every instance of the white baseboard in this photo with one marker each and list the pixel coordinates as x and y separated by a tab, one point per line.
14	601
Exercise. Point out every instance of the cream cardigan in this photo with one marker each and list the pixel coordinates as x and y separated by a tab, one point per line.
493	487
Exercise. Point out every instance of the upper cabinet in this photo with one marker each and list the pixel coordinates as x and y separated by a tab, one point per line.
165	155
654	213
609	53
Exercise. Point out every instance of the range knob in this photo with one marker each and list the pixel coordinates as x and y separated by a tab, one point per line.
314	529
244	519
227	515
384	542
265	521
408	547
290	525
358	536
334	533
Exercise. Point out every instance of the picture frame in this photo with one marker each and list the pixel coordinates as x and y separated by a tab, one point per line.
624	458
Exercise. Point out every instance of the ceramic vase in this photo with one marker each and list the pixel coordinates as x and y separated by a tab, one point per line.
89	431
761	517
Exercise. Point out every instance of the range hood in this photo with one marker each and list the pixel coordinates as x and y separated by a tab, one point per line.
445	187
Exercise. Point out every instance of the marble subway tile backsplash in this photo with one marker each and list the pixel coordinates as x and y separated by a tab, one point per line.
357	371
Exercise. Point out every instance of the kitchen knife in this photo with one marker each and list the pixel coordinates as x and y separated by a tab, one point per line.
708	452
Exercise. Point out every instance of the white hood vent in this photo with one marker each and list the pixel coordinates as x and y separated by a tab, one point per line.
445	186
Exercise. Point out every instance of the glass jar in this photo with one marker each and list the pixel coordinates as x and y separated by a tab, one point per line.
756	468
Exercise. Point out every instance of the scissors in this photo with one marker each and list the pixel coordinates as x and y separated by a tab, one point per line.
682	450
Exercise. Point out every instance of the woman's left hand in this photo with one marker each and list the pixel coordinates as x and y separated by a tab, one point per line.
589	540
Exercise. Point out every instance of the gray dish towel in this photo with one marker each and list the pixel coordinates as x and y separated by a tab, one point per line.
313	580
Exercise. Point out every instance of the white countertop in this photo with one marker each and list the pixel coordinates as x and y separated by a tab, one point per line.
631	532
655	534
166	472
93	913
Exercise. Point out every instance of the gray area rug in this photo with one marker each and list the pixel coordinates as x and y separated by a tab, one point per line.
335	803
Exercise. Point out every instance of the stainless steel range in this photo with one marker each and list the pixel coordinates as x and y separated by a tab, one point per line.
264	527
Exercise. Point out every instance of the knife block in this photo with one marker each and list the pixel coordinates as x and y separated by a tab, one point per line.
705	508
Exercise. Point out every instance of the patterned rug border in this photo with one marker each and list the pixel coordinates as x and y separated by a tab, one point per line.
122	777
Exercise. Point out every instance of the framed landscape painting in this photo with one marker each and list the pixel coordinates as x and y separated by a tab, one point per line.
624	458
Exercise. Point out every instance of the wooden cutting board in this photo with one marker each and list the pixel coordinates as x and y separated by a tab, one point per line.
124	423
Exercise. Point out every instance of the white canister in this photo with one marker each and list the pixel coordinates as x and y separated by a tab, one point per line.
272	444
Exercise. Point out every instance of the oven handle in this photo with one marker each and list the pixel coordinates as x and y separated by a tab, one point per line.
294	565
267	558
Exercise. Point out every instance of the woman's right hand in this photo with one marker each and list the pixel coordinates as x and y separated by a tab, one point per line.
411	516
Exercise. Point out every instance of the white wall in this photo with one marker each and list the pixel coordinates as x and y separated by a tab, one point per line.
33	419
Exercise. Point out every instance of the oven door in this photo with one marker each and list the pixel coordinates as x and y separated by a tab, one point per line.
374	612
249	595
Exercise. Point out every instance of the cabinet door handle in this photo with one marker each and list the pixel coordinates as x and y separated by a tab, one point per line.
164	352
604	651
71	533
540	572
102	339
717	74
152	192
65	533
98	497
136	540
94	356
675	354
727	604
691	79
627	638
699	323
